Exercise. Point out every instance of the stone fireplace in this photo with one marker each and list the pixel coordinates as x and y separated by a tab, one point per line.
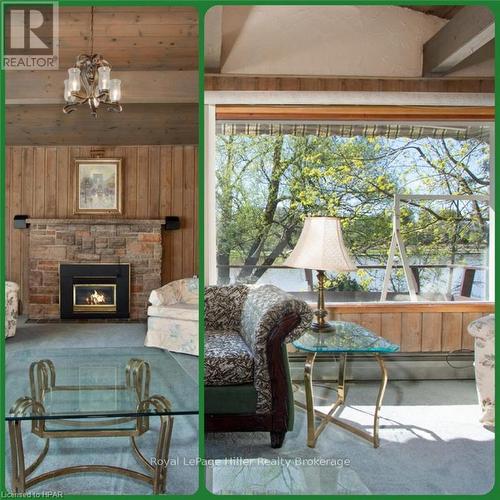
56	242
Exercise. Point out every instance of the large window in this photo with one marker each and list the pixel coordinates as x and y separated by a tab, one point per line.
270	175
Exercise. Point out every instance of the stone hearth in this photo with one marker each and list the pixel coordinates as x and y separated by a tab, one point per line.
57	241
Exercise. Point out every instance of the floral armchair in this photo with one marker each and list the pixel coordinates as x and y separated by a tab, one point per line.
247	381
483	330
11	307
173	317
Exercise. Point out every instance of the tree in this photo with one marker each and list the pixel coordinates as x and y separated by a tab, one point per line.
267	184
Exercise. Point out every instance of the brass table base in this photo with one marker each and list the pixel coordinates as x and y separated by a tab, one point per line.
20	473
43	378
314	432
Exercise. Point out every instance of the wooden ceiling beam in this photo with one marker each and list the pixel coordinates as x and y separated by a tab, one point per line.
137	124
46	87
218	82
470	29
442	11
363	113
213	39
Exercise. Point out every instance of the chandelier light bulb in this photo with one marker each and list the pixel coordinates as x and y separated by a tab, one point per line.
104	77
74	79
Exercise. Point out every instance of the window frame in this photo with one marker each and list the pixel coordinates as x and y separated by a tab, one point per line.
446	114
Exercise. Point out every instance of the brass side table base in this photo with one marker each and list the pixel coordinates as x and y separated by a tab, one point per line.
314	432
43	379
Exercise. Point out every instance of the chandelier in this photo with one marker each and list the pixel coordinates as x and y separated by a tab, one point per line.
89	81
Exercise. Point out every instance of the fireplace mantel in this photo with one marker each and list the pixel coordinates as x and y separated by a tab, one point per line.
98	222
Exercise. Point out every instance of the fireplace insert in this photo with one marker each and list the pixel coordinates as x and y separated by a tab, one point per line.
94	291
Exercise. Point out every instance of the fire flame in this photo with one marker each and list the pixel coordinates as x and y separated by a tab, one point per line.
96	298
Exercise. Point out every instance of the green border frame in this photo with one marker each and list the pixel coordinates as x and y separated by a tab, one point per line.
202	6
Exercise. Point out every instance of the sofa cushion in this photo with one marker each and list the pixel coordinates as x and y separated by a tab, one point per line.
228	359
179	310
223	306
173	334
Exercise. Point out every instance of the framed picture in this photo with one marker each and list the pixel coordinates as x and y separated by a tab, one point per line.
98	186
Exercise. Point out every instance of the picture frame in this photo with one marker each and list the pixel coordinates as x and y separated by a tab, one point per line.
98	186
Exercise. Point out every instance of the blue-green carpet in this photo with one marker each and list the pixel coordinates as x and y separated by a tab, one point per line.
182	475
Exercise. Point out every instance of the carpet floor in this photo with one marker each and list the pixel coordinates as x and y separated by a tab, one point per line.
431	443
431	439
183	469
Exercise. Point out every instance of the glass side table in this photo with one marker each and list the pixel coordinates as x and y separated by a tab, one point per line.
344	339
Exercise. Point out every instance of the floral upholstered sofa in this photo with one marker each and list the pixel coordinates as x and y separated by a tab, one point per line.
483	331
11	308
173	317
247	381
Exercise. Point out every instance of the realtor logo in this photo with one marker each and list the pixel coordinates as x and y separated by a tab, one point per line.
31	32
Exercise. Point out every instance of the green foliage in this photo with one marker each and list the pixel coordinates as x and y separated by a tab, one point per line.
266	185
344	283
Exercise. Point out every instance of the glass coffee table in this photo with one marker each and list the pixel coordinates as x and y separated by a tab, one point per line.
345	338
105	392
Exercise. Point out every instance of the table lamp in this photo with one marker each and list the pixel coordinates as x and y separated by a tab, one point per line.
321	247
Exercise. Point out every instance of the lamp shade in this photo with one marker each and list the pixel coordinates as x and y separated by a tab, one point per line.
104	73
74	82
321	247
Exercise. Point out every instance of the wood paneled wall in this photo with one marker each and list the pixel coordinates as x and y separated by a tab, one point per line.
416	327
420	331
158	181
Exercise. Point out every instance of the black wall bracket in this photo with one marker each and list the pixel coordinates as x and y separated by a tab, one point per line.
172	222
20	221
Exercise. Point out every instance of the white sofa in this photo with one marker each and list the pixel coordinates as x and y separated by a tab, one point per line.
483	331
173	317
11	308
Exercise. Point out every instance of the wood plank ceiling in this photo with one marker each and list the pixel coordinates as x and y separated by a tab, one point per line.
132	38
137	41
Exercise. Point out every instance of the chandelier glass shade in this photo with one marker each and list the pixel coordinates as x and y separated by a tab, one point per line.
89	81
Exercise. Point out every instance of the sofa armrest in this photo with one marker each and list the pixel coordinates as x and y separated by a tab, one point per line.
483	328
265	308
183	290
189	290
279	373
166	295
271	318
11	307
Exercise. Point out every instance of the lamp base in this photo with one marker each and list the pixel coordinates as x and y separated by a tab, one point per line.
324	327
